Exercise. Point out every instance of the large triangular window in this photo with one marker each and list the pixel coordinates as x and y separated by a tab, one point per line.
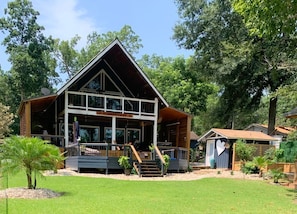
101	83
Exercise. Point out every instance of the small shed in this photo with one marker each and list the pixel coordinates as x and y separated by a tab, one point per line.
219	144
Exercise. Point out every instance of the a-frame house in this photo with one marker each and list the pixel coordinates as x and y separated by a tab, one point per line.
109	108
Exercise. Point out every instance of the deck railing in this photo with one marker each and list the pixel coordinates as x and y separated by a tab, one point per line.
174	152
108	103
57	140
99	149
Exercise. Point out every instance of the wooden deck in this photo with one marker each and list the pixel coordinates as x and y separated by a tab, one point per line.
105	156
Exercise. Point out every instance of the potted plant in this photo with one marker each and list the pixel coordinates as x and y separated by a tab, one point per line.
276	174
167	160
125	163
152	149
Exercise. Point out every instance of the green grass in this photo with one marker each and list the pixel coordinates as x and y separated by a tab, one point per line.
102	195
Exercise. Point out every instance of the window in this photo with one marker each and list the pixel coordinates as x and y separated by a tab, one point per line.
120	135
101	82
133	135
89	134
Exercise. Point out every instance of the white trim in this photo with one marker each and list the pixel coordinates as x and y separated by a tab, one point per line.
66	129
118	78
97	59
143	74
155	129
210	147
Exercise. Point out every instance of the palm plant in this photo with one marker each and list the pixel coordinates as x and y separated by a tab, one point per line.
33	155
276	174
260	162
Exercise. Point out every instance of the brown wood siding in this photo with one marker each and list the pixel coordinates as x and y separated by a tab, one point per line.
183	133
25	120
22	124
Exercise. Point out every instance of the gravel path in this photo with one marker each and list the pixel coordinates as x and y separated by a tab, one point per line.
195	175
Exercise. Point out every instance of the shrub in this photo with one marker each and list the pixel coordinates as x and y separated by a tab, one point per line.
276	174
249	168
244	151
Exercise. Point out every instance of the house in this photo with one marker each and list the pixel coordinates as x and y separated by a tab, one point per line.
109	108
280	132
219	144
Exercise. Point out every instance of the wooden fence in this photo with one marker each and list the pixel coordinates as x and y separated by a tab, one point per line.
260	151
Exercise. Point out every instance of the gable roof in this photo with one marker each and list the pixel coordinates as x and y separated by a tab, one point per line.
291	114
115	58
193	136
285	130
236	134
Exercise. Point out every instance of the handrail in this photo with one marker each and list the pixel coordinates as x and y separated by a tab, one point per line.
138	111
136	154
159	154
161	159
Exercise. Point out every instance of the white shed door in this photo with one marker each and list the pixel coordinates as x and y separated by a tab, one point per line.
210	147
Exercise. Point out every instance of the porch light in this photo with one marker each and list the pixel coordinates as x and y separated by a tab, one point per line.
227	145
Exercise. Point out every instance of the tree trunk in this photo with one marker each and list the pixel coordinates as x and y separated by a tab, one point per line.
272	115
29	180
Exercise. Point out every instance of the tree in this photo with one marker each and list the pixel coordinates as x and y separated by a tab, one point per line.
67	55
244	151
272	20
71	60
6	120
33	155
175	81
243	65
28	49
268	17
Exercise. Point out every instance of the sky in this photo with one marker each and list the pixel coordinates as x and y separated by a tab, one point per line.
152	20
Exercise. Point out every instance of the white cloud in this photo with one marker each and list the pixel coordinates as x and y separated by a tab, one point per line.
63	20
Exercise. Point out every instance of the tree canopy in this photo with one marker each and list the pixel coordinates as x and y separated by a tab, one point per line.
71	60
28	50
268	18
244	66
6	120
177	83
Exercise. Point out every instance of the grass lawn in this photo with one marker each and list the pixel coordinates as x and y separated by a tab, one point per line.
103	195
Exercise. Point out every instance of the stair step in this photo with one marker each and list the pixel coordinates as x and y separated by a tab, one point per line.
149	168
151	175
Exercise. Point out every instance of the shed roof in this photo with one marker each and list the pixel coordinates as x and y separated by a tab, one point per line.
236	134
278	129
193	136
291	114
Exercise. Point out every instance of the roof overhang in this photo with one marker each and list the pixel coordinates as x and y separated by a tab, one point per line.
39	103
108	53
169	114
291	114
236	134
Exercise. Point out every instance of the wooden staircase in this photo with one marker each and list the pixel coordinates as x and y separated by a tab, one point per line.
149	168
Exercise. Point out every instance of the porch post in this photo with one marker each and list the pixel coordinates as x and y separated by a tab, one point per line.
155	132
113	131
66	129
28	119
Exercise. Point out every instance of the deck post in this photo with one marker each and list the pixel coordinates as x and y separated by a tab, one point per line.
155	132
66	120
113	131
